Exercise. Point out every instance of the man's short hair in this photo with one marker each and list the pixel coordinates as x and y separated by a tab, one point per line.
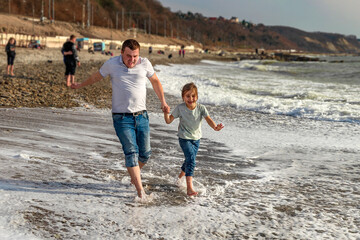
72	37
130	43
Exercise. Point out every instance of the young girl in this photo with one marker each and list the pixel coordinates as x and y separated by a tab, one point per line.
190	113
10	51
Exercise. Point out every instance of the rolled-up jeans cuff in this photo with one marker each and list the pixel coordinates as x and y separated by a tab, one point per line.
143	160
131	160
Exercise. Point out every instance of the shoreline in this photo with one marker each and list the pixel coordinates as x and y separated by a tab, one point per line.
39	78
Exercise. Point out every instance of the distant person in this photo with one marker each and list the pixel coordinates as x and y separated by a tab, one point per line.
190	114
129	74
91	50
183	50
170	56
71	59
62	51
150	50
10	52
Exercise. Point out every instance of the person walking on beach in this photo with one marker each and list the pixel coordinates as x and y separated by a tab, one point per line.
190	114
129	73
71	59
62	51
10	52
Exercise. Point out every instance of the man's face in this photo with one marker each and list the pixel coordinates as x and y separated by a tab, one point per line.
130	57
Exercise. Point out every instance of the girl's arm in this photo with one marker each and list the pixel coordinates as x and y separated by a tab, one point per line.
213	125
168	118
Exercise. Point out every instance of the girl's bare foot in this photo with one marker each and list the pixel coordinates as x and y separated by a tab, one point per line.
192	194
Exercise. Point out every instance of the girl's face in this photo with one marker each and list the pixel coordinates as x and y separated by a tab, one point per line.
190	99
12	41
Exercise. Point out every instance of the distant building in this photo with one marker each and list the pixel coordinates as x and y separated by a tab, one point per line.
234	20
215	19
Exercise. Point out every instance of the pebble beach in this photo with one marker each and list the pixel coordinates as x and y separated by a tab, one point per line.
39	78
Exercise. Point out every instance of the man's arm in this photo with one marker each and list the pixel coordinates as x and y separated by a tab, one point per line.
155	82
95	77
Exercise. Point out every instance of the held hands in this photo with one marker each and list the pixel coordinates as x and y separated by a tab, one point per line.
168	118
165	108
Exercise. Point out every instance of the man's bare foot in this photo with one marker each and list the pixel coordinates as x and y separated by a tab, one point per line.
142	194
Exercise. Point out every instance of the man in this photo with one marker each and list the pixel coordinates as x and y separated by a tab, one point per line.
129	74
70	60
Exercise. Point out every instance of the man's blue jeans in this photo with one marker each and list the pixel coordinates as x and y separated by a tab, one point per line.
134	135
190	149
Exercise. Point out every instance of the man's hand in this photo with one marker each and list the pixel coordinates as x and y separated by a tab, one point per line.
165	108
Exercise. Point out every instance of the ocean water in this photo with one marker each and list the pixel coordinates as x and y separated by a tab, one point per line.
326	90
286	165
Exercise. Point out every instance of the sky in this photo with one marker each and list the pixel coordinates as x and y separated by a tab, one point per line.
332	16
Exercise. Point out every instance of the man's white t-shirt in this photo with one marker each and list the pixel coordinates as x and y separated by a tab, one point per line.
128	84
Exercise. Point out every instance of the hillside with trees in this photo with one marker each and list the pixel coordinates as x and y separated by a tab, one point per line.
150	17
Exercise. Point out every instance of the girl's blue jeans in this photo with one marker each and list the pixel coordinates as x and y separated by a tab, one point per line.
190	149
134	135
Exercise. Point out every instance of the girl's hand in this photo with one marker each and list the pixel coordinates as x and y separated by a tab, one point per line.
165	109
219	127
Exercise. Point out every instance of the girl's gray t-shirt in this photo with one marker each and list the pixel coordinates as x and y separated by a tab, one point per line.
190	120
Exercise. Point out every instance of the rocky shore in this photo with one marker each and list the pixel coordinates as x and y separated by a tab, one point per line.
39	79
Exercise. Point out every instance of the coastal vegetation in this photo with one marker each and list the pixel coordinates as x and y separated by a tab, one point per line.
150	17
